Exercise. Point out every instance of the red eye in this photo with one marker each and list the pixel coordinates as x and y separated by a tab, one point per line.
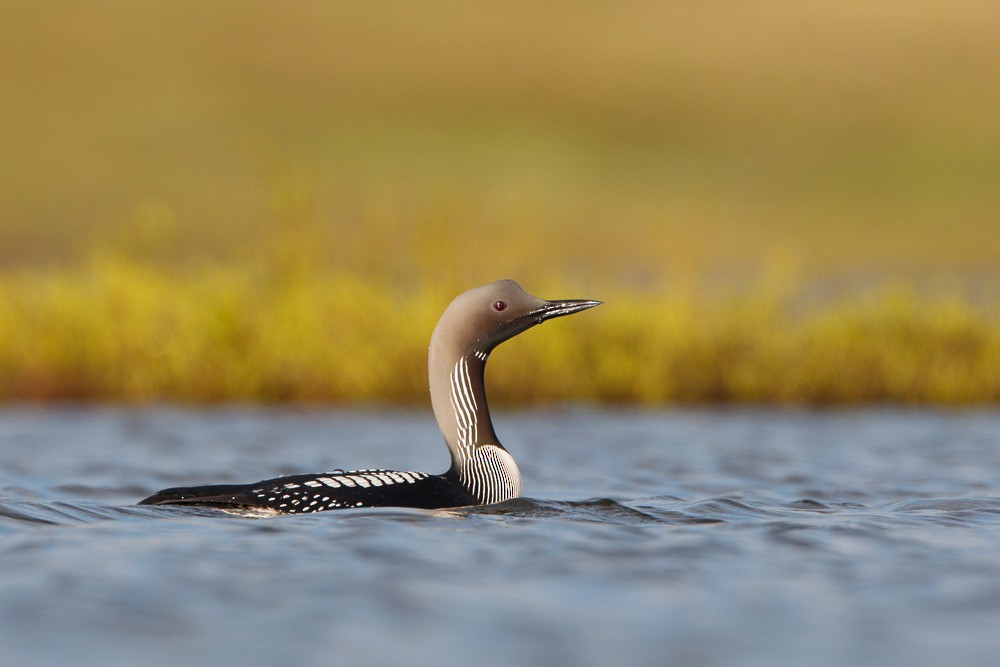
499	305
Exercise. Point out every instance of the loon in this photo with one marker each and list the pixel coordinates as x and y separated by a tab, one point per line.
482	472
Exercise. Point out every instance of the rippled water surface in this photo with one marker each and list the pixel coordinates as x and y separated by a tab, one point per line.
749	537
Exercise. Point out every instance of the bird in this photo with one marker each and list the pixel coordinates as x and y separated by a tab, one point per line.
482	471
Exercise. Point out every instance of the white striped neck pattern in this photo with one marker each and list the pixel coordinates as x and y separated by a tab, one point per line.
485	469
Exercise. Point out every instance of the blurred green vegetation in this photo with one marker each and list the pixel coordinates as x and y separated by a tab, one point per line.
120	330
782	201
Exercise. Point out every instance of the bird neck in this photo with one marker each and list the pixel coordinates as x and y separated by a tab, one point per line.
479	463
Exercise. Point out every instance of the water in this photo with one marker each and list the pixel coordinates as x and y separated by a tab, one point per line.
750	537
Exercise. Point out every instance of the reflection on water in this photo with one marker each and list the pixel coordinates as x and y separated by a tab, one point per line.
688	537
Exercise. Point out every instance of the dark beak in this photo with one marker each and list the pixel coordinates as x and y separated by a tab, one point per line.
546	311
560	308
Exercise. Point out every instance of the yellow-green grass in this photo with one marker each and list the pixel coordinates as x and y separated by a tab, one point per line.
790	200
122	331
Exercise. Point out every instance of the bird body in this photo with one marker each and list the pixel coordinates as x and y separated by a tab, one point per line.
482	471
337	489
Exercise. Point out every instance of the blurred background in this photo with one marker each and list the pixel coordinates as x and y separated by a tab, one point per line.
779	202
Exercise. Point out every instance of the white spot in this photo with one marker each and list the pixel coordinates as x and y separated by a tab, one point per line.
350	480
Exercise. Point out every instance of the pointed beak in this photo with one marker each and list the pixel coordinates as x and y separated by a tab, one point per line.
560	308
546	311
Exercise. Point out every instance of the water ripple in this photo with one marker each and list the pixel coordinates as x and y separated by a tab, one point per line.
655	510
698	537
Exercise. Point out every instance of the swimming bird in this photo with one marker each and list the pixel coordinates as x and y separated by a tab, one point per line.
482	471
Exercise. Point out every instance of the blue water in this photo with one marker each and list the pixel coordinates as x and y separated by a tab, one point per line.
701	537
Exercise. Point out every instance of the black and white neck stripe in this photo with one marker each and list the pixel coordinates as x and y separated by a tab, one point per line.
486	470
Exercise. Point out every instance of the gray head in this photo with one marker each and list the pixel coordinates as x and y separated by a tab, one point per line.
475	323
482	318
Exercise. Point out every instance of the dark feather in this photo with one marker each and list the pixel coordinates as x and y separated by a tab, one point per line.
339	489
